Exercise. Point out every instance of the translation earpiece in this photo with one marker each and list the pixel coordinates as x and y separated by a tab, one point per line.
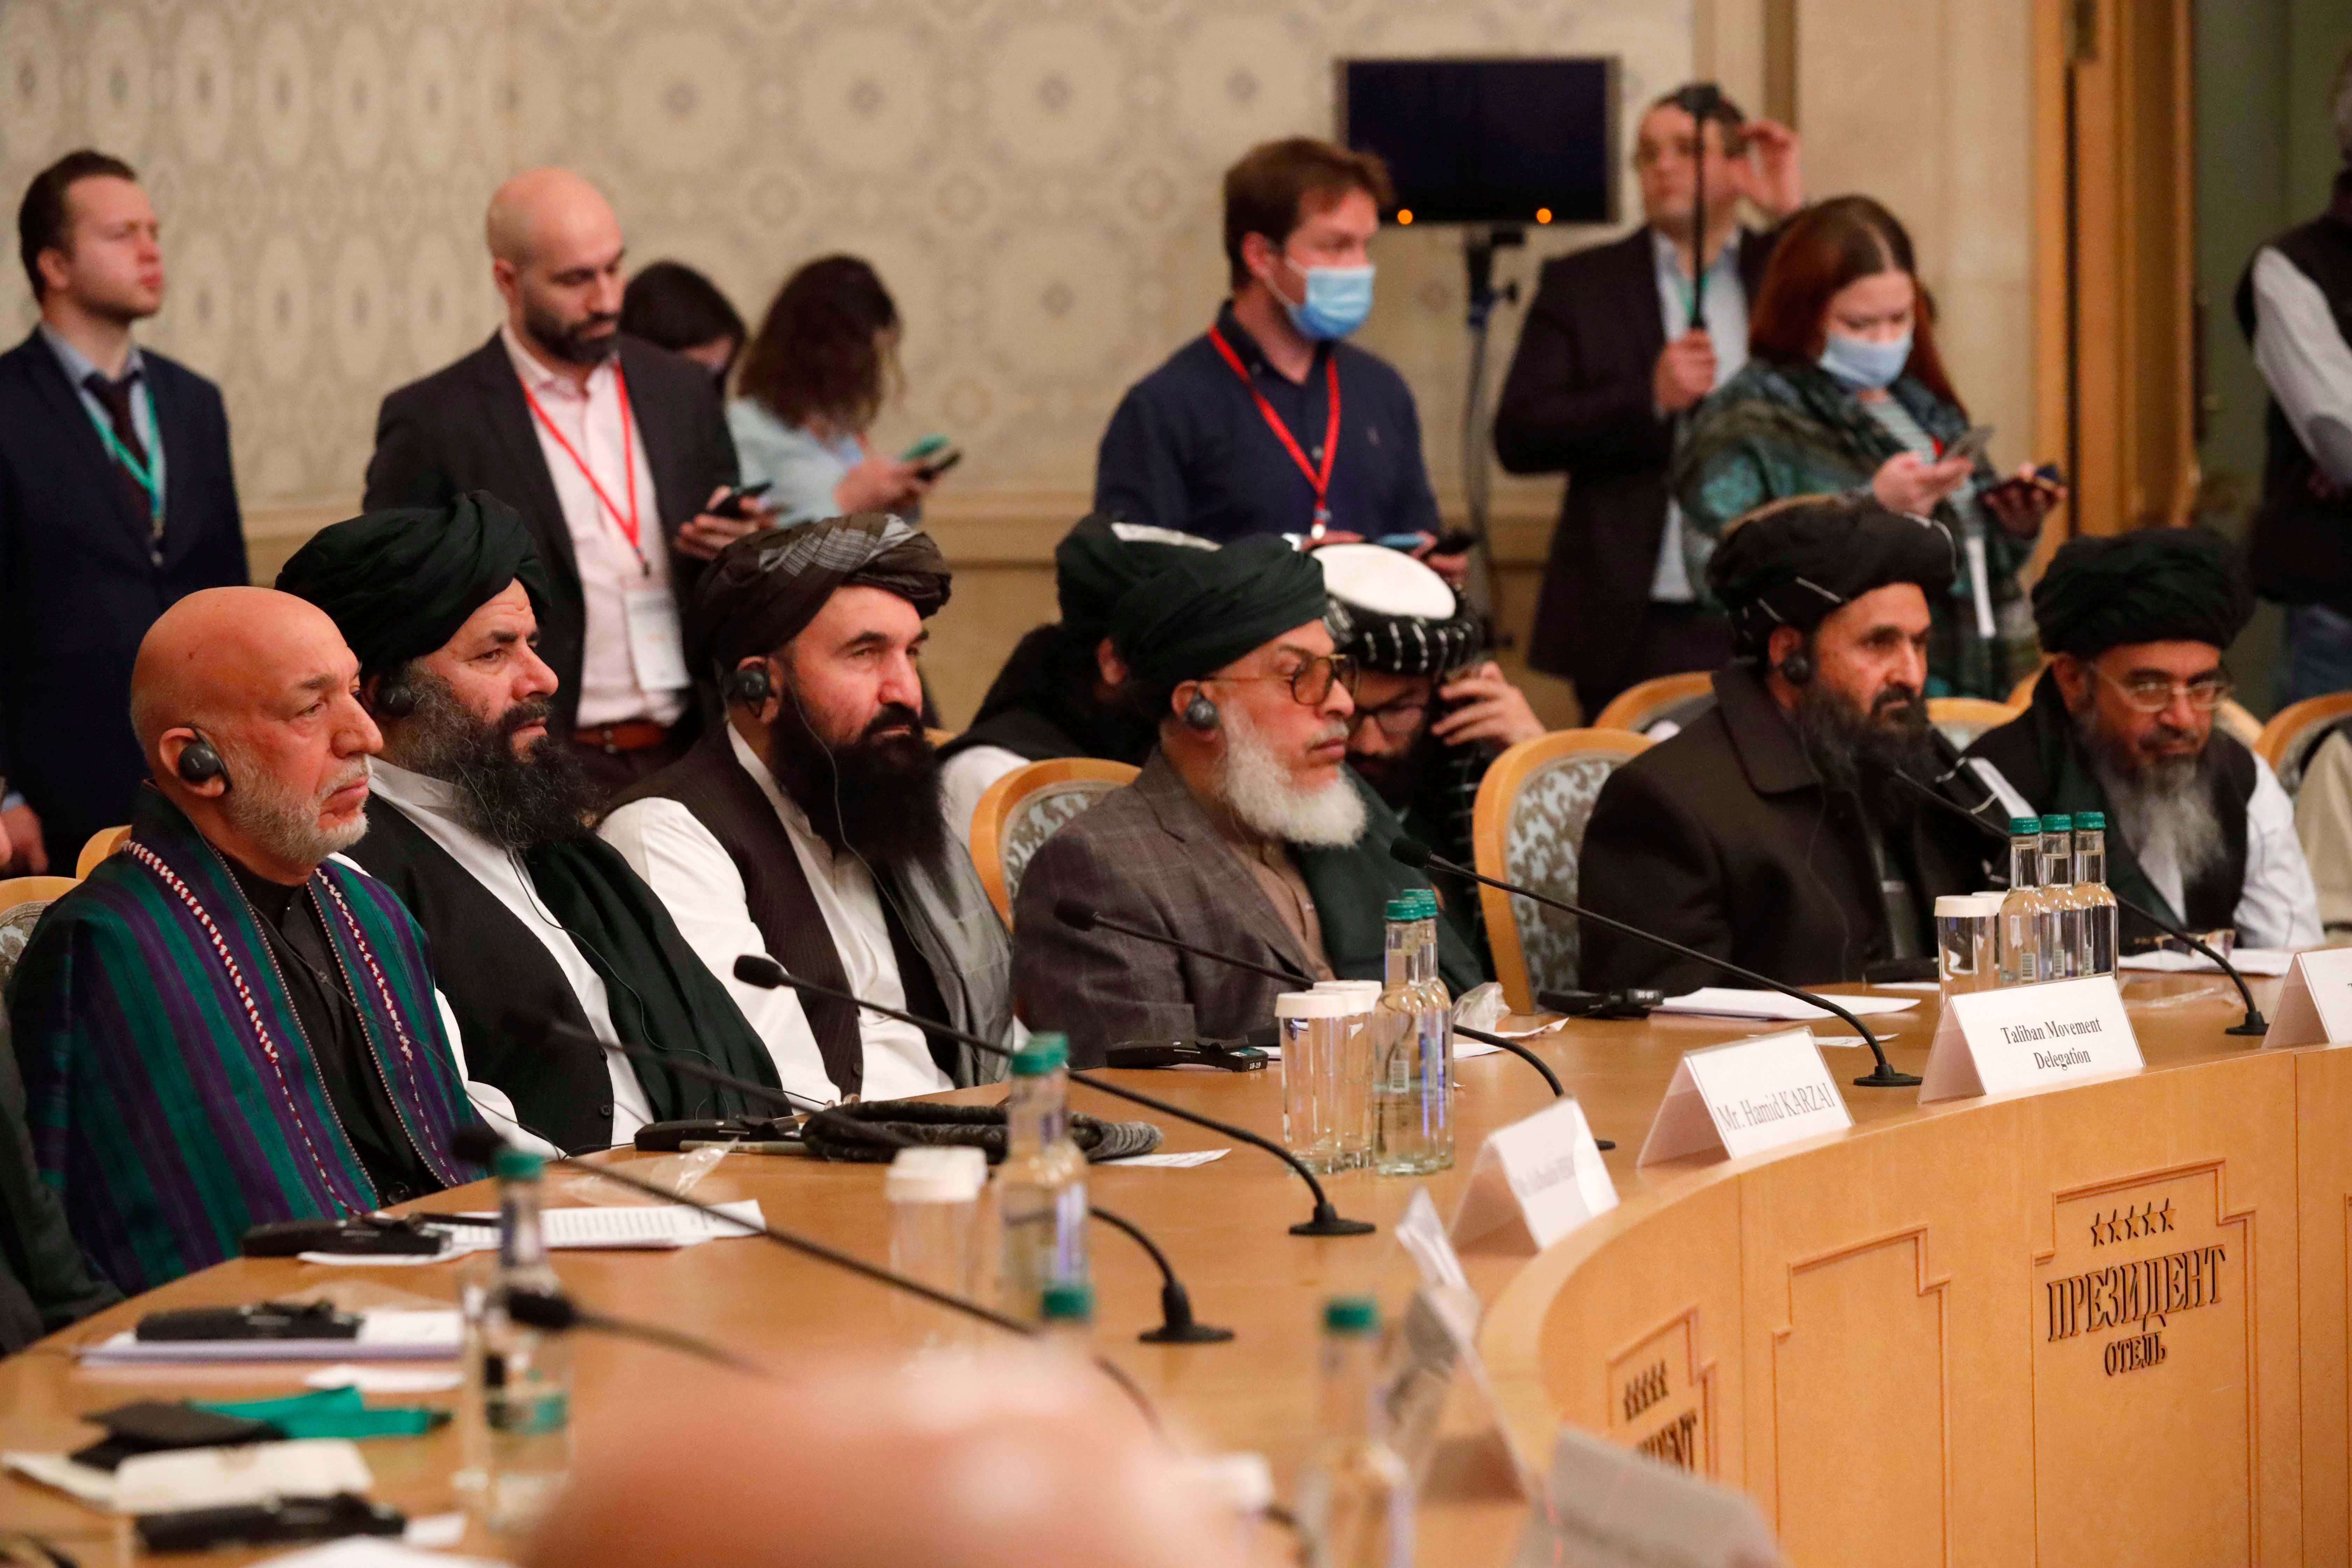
1201	713
749	684
1797	668
395	699
199	763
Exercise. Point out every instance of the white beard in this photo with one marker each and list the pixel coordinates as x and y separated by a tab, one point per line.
265	810
1257	789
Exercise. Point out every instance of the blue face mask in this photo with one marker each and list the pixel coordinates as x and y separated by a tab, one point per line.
1338	300
1866	365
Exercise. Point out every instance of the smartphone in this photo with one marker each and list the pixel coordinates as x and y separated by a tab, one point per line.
737	501
1971	444
928	446
933	471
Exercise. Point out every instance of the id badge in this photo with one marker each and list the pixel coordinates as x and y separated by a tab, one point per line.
654	646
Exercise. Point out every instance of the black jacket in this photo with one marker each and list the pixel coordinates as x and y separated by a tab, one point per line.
1579	399
467	426
80	584
1722	838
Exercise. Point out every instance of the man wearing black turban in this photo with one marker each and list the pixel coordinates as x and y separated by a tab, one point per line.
2198	827
1245	834
477	817
1058	695
807	826
1773	830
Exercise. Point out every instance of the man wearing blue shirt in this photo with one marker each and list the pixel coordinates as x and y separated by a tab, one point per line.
1268	422
116	500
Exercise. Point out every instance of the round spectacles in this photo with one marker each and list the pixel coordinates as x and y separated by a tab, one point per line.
1311	682
2155	693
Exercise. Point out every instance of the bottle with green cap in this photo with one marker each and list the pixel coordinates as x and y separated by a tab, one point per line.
1413	1118
2024	908
1067	1311
525	1372
2062	935
1041	1185
2099	911
1355	1496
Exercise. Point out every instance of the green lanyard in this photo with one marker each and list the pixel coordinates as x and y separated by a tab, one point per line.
143	472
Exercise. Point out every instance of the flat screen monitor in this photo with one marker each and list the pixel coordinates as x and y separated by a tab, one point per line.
1524	141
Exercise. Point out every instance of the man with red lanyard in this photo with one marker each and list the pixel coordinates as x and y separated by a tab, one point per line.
614	451
1267	423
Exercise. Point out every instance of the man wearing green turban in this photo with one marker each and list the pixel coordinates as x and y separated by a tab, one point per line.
1246	834
2197	826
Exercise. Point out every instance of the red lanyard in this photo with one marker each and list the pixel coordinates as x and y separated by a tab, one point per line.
627	522
1320	480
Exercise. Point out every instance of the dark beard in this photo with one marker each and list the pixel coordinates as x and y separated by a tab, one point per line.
1399	780
876	798
572	344
1860	754
515	802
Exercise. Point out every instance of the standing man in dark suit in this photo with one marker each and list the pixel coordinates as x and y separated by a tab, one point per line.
614	451
1609	358
116	500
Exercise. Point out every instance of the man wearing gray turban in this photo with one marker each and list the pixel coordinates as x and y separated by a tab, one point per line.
1246	834
1773	830
477	817
807	826
2197	826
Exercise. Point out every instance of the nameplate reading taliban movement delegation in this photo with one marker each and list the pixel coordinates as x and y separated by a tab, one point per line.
2314	1002
2029	1036
1745	1098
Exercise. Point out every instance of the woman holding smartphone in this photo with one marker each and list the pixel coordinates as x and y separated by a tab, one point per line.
1843	390
812	381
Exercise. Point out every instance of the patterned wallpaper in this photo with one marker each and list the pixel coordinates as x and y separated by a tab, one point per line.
1035	179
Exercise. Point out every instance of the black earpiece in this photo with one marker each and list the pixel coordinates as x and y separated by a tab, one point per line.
395	699
1201	713
1797	668
749	684
199	763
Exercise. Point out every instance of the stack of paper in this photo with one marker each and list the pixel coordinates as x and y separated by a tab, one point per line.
1726	1002
390	1333
2247	961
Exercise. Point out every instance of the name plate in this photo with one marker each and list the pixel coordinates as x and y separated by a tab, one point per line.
1542	1177
2315	1003
1745	1098
2029	1036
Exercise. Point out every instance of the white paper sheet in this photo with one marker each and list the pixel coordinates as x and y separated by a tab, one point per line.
374	1552
1729	1001
394	1333
2270	961
1172	1162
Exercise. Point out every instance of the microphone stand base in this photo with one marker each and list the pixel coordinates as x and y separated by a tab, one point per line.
1885	1077
1604	1144
1186	1334
2254	1026
1332	1225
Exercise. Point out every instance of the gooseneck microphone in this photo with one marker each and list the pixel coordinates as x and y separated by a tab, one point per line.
758	969
2253	1023
1083	917
478	1144
557	1314
1413	853
1177	1324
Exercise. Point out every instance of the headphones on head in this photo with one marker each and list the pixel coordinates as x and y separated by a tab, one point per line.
1798	668
1200	713
750	683
200	763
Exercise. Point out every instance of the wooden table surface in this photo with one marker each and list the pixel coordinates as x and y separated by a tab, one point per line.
1224	1227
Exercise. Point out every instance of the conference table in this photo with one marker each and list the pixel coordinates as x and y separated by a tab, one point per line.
1867	1332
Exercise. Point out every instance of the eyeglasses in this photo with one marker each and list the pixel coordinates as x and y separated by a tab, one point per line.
1397	720
1311	682
2155	693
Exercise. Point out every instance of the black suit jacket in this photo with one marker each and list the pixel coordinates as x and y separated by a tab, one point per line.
468	427
80	584
1722	838
1579	399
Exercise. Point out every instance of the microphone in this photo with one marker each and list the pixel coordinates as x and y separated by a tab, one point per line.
1084	917
1177	1326
478	1144
2253	1023
1413	853
559	1314
758	969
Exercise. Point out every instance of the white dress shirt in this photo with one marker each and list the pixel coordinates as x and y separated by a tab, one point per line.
612	688
697	878
2278	906
1726	304
432	806
2301	354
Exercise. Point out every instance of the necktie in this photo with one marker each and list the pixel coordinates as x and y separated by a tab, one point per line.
116	397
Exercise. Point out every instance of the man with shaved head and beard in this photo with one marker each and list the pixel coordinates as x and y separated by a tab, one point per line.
1245	833
221	1025
614	451
2199	828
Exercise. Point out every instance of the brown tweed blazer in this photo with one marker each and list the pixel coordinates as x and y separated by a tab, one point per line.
1148	857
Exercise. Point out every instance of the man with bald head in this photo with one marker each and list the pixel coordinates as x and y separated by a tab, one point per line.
615	452
223	1026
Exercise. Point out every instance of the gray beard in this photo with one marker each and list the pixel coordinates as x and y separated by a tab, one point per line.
1257	789
2164	808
